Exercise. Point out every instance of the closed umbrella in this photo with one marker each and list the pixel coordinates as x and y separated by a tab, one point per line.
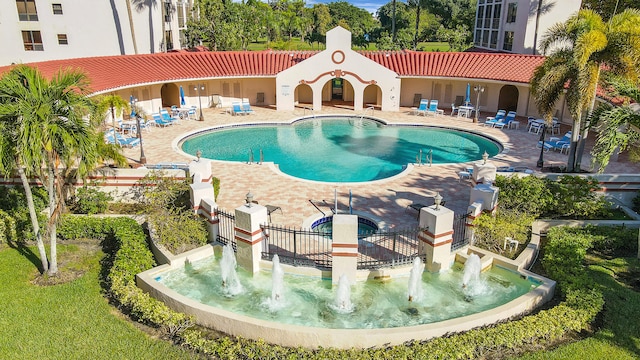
182	102
467	99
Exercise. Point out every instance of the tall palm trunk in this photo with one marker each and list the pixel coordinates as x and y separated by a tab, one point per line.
113	121
51	227
34	219
585	131
133	33
415	36
393	22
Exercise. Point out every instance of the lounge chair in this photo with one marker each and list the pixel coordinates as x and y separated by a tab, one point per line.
555	143
116	138
246	107
236	109
167	117
433	109
422	109
160	121
492	120
511	115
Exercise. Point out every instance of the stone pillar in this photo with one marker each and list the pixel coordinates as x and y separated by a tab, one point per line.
474	210
202	185
435	242
484	172
208	210
249	236
485	194
344	246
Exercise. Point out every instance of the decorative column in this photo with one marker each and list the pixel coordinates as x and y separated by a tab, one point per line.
486	195
474	210
435	242
248	235
209	210
202	184
344	247
484	172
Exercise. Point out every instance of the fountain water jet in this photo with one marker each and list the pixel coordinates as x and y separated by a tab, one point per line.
277	278
342	302
415	280
230	280
472	269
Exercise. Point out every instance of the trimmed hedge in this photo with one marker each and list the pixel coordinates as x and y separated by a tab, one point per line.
128	253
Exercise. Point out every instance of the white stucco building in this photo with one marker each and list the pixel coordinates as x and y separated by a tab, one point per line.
39	30
517	26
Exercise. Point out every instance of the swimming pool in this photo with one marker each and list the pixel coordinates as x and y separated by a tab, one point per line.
340	149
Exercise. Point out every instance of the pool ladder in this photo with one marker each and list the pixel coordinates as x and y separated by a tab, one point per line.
365	112
310	109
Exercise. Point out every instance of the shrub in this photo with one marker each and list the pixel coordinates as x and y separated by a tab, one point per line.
14	202
528	194
179	231
8	231
490	231
90	200
216	187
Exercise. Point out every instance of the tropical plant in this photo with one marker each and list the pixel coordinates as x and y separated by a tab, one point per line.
617	127
46	133
577	51
115	104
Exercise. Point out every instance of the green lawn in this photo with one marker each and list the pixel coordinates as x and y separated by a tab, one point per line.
619	336
68	321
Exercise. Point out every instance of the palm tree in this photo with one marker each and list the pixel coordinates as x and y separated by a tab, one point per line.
418	4
618	128
578	50
115	104
51	134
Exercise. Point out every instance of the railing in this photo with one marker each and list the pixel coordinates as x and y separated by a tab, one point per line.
310	110
460	237
388	248
226	228
297	246
372	108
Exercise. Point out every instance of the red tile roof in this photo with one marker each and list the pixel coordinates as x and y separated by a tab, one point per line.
113	72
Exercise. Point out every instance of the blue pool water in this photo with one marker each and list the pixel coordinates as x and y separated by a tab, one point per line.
340	149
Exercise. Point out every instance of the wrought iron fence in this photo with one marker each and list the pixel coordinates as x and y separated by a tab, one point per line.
460	237
297	246
226	228
388	248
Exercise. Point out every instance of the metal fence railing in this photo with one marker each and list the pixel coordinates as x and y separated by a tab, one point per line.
388	248
460	237
297	246
226	228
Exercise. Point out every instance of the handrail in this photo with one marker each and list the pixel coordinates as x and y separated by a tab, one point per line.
310	109
315	206
372	108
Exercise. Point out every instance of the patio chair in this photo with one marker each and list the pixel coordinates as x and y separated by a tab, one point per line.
555	143
492	120
422	109
511	115
167	117
246	107
160	121
116	138
433	109
236	109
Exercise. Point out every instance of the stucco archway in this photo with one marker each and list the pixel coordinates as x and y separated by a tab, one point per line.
508	98
338	92
372	95
170	95
303	94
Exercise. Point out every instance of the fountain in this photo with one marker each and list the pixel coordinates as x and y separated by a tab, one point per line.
415	280
472	269
342	303
277	279
230	282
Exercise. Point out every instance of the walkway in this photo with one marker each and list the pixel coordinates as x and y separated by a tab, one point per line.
384	199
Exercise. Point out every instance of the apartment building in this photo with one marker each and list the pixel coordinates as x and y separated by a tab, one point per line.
38	30
517	26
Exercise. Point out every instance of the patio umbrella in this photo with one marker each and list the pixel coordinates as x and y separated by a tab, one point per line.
467	98
182	102
132	102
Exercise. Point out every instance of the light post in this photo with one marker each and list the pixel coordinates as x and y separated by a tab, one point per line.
437	200
249	199
540	163
143	159
198	88
479	89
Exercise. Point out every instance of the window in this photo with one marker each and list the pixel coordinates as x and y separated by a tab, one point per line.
62	39
27	10
478	38
511	12
167	11
507	43
496	16
57	9
493	43
32	40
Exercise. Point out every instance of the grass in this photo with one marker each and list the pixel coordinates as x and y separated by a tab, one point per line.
67	321
618	336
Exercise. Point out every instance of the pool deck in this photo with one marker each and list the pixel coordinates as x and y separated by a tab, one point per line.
386	200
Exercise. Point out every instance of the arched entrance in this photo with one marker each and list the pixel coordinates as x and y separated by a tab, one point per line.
508	98
338	92
372	96
170	95
303	96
